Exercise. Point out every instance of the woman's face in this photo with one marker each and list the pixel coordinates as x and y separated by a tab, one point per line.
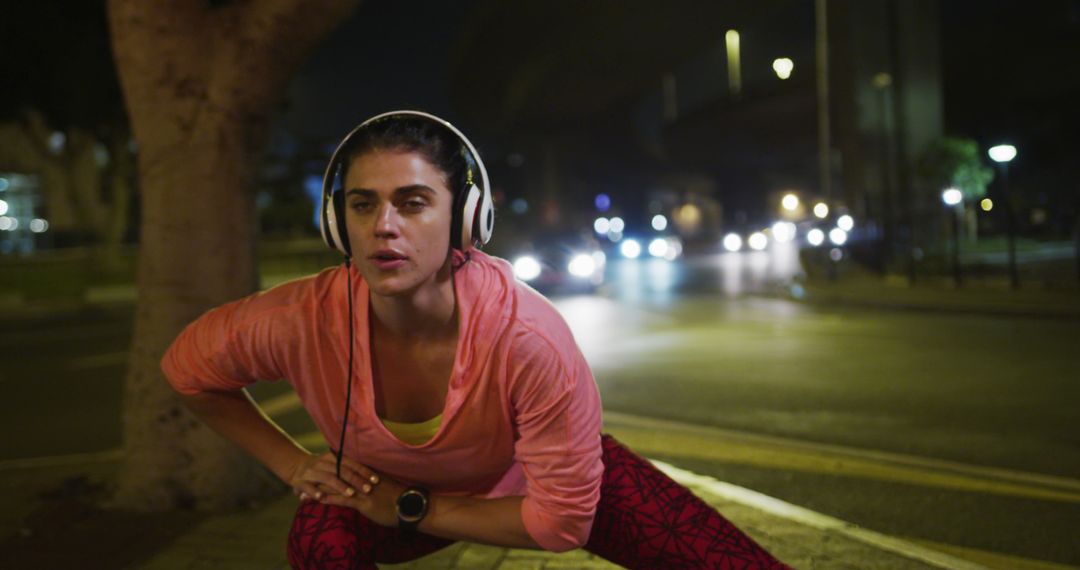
397	211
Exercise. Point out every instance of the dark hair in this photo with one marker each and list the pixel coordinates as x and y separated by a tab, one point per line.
410	133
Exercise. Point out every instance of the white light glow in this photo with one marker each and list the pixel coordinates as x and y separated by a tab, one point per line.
3	207
837	236
757	241
6	224
39	225
783	232
845	222
815	237
790	202
658	247
617	225
630	249
783	67
57	141
601	225
526	268
674	249
1002	153
659	223
582	265
732	242
952	196
821	209
615	237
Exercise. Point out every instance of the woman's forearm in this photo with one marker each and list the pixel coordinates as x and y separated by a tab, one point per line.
489	521
235	417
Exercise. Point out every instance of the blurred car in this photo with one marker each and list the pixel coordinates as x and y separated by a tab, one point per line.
561	264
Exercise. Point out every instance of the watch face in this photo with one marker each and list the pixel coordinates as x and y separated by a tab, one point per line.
411	505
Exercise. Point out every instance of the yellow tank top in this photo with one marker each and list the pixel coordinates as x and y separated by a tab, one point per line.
414	433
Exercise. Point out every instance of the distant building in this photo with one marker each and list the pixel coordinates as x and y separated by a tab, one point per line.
19	224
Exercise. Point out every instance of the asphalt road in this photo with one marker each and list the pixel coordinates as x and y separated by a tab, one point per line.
900	394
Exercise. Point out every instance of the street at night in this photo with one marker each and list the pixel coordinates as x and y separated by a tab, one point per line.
951	429
535	285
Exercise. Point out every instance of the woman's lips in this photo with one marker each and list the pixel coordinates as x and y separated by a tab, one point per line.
388	259
387	264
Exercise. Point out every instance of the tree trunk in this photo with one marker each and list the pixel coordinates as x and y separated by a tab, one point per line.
118	180
200	83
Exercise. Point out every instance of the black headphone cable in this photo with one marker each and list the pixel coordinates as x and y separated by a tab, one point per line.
349	372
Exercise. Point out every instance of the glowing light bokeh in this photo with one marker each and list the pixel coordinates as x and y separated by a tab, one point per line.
757	241
732	242
630	249
526	268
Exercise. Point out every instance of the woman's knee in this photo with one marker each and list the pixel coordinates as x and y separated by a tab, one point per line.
328	537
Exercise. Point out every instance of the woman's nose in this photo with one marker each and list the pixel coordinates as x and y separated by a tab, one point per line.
387	220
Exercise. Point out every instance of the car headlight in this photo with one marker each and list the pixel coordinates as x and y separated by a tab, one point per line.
582	265
658	247
526	268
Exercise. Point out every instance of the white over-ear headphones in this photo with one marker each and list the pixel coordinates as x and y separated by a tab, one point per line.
475	217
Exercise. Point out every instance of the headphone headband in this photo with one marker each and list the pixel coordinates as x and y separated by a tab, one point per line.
478	214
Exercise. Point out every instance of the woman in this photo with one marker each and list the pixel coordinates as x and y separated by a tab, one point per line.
461	406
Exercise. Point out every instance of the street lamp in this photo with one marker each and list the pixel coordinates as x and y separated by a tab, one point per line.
1003	154
783	67
953	198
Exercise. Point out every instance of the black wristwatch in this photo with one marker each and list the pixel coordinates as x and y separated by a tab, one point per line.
412	505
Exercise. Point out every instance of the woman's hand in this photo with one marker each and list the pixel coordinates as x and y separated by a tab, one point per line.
376	502
315	477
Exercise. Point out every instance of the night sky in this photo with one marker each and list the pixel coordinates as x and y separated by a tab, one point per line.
1011	71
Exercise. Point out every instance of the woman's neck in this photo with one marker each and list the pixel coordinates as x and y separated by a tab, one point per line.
427	312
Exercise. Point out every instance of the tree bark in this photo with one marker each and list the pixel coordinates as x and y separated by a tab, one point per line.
200	84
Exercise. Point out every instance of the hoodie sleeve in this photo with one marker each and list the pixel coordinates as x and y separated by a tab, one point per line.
557	415
228	347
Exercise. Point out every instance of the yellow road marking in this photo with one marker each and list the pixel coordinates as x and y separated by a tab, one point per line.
990	559
282	404
648	441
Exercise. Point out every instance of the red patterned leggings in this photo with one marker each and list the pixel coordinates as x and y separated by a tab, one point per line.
644	520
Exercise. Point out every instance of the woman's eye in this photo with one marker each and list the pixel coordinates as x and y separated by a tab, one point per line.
361	206
414	205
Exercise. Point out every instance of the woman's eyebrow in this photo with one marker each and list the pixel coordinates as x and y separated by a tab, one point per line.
420	188
369	193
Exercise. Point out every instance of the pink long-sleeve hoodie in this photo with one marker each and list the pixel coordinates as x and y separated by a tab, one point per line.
522	413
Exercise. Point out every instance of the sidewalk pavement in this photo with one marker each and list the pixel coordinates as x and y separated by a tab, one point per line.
255	538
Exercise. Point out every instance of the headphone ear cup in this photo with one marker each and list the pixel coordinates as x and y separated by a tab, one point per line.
485	220
468	217
336	216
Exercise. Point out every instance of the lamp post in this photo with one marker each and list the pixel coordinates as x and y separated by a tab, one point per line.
953	198
1003	154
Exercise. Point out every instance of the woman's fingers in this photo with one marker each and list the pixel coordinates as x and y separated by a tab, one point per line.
358	502
307	491
363	471
325	478
357	476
